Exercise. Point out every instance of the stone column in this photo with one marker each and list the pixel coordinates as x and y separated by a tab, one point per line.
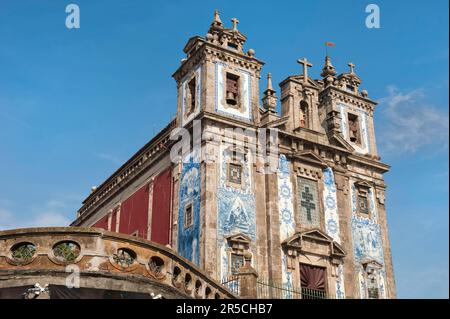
209	203
343	194
273	228
382	220
261	221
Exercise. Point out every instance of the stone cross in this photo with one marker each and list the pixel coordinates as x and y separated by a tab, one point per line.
352	66
235	23
305	64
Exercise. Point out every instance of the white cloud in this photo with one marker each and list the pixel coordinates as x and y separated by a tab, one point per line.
409	123
54	212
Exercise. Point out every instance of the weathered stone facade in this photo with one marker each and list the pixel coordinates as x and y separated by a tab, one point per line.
83	260
313	197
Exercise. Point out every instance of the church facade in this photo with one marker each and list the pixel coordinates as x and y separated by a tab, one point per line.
299	194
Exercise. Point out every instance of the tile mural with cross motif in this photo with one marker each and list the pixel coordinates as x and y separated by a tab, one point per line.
308	203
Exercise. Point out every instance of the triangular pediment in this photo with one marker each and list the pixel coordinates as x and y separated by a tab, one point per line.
316	234
235	34
191	43
340	141
338	250
277	122
299	78
362	184
310	157
371	263
239	238
296	241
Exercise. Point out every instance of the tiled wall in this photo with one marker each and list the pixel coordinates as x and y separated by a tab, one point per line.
235	209
189	237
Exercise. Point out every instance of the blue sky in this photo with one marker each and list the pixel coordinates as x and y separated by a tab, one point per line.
74	104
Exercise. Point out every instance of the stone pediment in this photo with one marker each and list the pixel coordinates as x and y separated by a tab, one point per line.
277	122
239	242
340	141
235	34
310	157
314	241
239	238
371	263
362	184
300	79
191	43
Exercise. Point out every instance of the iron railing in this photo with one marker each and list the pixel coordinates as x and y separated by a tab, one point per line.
267	289
233	284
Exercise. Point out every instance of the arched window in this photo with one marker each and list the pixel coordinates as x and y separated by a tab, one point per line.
304	114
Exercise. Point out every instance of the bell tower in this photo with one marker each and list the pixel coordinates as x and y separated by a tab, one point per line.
218	77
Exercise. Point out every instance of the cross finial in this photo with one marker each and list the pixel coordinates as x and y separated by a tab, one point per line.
352	66
305	64
235	23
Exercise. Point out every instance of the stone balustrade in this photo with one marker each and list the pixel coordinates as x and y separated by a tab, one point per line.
103	259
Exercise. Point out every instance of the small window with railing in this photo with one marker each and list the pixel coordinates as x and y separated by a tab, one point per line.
312	281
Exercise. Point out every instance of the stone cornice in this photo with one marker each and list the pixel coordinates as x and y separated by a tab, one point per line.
229	120
206	49
347	97
360	159
327	146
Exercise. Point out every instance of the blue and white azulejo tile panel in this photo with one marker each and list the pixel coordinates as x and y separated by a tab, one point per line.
235	208
189	237
330	205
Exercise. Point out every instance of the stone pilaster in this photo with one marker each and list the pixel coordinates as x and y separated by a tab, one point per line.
273	227
343	194
382	220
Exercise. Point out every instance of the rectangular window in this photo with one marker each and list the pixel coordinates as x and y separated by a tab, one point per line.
373	293
363	205
308	204
235	173
353	128
232	95
191	96
372	287
312	282
237	261
188	217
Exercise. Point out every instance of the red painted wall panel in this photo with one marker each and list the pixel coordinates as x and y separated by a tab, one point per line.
102	223
134	213
162	197
113	220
